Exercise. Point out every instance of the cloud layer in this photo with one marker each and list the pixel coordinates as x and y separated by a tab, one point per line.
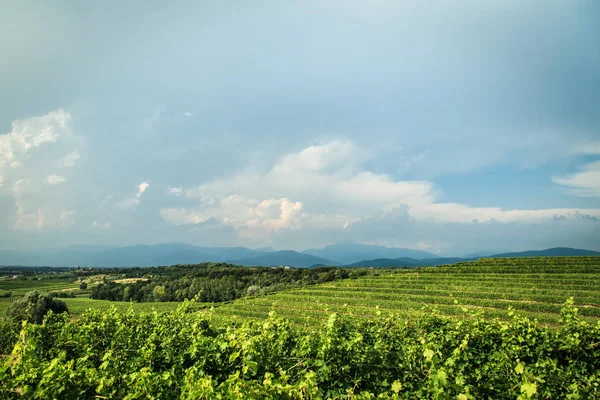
451	127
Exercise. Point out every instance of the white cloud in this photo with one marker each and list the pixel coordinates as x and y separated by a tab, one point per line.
188	114
142	188
134	200
335	154
34	146
331	190
177	191
70	159
584	183
55	179
460	213
43	218
100	225
29	134
252	218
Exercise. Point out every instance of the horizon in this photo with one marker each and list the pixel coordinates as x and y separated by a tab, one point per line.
302	251
450	129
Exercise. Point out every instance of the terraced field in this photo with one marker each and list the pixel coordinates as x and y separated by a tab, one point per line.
533	287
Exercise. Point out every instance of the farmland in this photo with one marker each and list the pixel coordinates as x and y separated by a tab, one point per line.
495	328
535	288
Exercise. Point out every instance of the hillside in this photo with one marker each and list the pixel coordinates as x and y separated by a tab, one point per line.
349	253
405	262
284	257
535	287
553	252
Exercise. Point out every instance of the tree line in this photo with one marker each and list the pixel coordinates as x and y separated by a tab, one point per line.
212	282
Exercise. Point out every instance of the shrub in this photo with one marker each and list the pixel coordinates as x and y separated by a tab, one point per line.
34	306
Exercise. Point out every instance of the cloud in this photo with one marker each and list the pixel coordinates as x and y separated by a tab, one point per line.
134	200
55	179
28	135
26	153
585	183
460	213
332	190
177	191
70	159
44	218
188	114
252	218
142	188
100	225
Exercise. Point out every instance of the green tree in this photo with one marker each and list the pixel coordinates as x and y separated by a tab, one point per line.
159	293
83	285
34	306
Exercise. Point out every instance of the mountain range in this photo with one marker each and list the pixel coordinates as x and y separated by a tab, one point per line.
341	254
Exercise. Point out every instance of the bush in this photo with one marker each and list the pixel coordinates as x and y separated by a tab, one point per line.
9	333
34	306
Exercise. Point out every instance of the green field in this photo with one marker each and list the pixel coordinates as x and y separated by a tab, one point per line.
21	286
79	304
433	332
533	287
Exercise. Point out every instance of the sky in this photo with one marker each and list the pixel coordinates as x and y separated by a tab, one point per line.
449	126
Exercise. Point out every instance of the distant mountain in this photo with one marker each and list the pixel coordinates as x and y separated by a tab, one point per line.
553	252
266	249
383	262
345	254
228	253
484	253
348	252
284	257
405	262
128	256
145	256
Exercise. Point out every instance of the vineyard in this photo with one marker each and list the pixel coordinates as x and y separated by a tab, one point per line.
492	329
534	287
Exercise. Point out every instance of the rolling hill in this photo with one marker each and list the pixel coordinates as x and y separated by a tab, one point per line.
553	252
348	253
284	257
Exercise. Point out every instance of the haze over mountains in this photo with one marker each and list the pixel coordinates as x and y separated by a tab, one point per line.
341	254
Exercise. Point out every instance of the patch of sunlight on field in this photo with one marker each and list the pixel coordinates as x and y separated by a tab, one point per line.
80	304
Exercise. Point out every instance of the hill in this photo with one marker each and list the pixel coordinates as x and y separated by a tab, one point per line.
348	252
405	262
553	252
284	257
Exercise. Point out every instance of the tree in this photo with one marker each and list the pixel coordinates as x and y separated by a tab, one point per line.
34	306
83	285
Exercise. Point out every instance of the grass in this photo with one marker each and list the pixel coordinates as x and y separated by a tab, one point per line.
21	286
79	304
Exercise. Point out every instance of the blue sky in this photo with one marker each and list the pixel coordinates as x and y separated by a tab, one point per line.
451	128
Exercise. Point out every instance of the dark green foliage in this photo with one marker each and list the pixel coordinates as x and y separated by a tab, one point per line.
83	285
9	333
63	294
181	355
34	306
212	282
